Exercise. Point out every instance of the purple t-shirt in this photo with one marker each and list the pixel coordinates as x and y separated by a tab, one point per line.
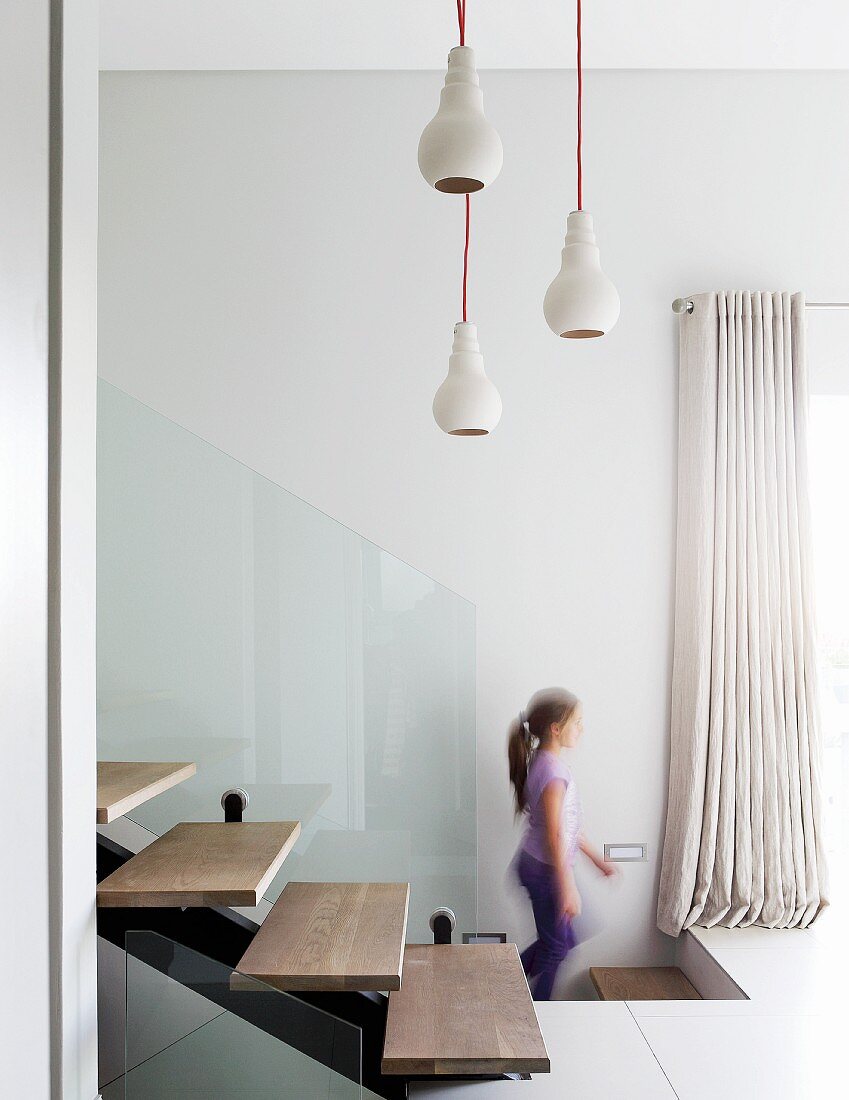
547	768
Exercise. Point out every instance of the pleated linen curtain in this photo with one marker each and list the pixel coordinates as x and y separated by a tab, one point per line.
743	839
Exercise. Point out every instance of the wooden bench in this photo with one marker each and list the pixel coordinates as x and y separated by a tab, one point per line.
330	936
642	983
463	1010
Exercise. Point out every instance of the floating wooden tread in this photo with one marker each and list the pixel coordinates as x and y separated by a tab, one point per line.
331	936
642	983
124	784
203	863
463	1010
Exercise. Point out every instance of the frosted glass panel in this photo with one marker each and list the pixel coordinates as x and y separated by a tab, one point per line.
242	629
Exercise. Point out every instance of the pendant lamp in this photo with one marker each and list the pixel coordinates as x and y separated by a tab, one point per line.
466	403
581	301
459	151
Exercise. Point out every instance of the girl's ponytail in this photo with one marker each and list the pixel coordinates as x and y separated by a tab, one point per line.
519	753
547	707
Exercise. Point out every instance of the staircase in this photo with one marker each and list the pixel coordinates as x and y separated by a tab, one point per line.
297	662
453	1011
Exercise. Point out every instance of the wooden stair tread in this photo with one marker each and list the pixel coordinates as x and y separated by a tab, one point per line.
463	1010
643	983
331	936
124	784
203	863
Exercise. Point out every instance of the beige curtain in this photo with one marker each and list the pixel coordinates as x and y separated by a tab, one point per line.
743	833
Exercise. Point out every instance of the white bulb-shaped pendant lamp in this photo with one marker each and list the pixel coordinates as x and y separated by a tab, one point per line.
466	403
581	301
459	150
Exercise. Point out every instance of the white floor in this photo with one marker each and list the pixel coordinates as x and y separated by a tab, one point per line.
789	1041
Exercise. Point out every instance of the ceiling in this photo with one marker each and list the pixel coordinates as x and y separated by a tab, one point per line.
506	34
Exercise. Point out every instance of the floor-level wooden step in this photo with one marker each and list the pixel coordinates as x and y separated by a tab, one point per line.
203	863
642	983
124	784
331	936
463	1010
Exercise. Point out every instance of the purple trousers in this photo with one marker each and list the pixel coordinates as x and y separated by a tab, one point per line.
555	936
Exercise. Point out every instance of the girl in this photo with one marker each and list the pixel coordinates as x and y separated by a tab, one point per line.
545	790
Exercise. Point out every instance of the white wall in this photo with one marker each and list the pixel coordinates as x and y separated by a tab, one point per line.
276	276
406	34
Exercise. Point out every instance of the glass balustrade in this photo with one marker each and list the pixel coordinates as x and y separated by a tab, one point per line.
244	630
195	1027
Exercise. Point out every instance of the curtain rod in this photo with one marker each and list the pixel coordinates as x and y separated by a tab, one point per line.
686	305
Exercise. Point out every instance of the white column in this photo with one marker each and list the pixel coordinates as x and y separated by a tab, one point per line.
48	225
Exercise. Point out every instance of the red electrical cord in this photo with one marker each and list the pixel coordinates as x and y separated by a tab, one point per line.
580	103
466	256
461	20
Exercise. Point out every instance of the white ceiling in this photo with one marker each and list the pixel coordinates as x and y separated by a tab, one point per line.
506	34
